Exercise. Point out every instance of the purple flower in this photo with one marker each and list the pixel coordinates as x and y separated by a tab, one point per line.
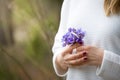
73	36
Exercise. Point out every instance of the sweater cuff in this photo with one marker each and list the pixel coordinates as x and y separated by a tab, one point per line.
55	66
100	69
109	68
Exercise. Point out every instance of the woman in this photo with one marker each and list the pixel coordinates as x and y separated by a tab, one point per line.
99	57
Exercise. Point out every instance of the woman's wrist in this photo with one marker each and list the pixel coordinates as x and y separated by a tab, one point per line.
100	57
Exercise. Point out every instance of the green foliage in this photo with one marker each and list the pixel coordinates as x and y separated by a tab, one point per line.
4	70
40	27
36	45
5	67
24	5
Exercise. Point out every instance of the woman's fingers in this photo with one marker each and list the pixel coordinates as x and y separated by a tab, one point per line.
84	55
75	56
77	62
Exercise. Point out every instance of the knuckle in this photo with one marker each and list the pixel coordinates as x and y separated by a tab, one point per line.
79	54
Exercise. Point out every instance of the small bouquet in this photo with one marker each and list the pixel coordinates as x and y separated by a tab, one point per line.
73	36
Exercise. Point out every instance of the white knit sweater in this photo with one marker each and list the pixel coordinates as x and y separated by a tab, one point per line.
101	31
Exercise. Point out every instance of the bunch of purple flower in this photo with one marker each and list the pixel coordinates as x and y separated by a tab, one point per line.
73	36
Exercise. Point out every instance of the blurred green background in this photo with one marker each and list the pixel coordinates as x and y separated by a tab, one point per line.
27	30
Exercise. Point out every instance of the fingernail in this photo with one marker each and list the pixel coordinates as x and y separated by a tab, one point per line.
85	59
81	43
84	54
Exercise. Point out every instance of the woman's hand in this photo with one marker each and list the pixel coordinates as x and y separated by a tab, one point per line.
85	55
60	59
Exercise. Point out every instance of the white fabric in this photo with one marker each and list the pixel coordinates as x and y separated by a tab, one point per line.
101	31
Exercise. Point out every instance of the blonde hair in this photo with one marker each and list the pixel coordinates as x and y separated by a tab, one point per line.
112	7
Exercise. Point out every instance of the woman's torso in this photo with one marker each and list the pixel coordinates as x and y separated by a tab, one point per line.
101	31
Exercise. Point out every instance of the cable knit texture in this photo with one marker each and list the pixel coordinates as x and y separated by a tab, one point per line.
101	31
